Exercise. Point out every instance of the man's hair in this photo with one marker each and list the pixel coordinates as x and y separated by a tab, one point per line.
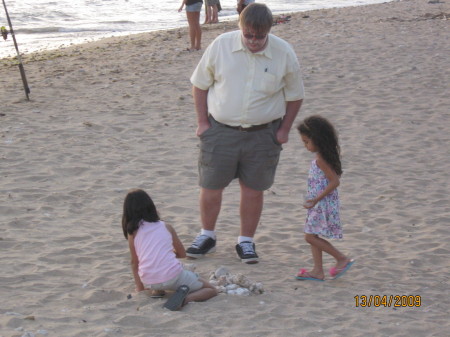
256	16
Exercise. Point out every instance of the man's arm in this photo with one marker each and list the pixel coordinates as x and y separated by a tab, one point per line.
292	109
201	107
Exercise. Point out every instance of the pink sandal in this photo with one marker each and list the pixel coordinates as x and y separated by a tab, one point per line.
336	273
303	275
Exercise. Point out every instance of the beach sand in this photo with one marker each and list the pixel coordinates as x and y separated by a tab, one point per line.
116	114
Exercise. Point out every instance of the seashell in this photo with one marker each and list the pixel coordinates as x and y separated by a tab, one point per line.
221	271
234	284
242	291
222	280
232	287
240	279
221	289
257	288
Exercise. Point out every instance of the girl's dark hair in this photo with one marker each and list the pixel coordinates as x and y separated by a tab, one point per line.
324	137
137	206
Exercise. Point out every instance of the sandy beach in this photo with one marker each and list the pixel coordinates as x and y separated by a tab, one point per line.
111	115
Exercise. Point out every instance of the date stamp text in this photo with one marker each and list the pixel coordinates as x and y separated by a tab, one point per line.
394	301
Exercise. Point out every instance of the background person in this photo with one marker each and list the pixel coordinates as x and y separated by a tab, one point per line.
241	4
193	8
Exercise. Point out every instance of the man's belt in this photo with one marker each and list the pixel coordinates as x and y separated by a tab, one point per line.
250	128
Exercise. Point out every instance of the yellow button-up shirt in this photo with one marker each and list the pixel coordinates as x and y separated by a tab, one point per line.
246	88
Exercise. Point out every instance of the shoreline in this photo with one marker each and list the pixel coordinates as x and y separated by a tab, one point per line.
222	25
63	43
118	114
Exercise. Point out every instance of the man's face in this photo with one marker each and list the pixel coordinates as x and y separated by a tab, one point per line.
254	41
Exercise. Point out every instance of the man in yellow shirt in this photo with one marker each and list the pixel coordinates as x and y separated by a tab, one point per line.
247	92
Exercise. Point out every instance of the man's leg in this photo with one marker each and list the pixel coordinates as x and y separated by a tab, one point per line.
210	203
250	210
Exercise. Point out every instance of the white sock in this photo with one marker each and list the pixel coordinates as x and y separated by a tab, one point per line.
211	234
244	238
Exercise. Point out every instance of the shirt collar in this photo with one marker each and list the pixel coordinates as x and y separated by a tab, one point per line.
238	45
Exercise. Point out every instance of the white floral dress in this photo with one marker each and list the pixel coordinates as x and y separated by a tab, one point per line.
323	218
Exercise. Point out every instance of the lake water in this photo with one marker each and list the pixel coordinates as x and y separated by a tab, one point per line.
44	24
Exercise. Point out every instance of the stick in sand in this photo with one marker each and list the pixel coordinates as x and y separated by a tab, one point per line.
19	58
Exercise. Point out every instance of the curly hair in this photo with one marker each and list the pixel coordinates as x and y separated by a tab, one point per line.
137	206
324	137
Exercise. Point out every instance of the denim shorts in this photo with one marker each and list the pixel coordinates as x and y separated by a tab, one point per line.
186	277
195	7
226	154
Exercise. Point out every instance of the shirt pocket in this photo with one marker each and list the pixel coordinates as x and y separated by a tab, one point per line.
267	84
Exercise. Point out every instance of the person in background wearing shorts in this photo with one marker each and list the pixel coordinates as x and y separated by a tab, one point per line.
241	4
212	11
193	8
247	92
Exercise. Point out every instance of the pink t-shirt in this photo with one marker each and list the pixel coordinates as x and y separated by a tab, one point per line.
154	248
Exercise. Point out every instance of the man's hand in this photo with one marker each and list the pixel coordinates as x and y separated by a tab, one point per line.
202	128
282	136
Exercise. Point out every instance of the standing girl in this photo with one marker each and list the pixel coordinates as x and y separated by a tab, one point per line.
193	8
154	248
322	200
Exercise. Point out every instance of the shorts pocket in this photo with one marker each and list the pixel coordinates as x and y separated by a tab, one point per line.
273	132
213	126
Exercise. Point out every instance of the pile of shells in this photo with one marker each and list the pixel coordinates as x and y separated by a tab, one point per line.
234	284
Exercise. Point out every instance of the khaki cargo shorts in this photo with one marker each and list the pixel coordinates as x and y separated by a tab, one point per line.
226	154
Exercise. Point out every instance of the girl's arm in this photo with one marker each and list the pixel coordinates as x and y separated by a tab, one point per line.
135	264
178	247
182	5
333	179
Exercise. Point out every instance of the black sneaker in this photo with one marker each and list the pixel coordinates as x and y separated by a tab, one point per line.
246	252
201	246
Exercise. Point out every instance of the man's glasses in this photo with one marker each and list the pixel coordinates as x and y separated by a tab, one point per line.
255	36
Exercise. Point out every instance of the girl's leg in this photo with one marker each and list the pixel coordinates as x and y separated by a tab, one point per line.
192	29
198	32
214	14
317	270
202	294
207	13
157	293
195	31
319	245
